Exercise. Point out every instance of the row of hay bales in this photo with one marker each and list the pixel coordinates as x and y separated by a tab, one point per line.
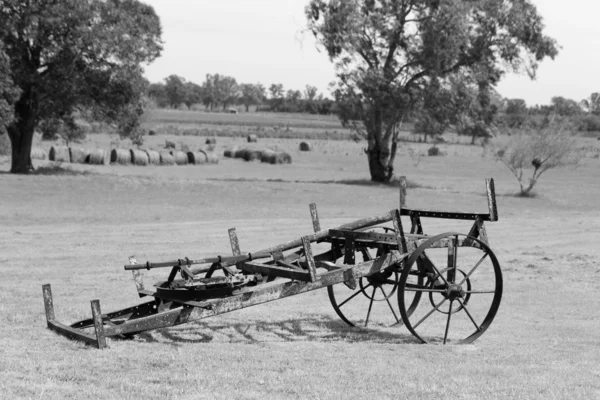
125	156
264	155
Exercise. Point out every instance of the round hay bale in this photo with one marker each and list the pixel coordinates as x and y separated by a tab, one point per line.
139	157
120	156
153	157
79	155
60	154
230	152
180	157
266	155
250	154
277	157
166	158
196	157
98	157
211	140
211	158
305	146
38	153
252	138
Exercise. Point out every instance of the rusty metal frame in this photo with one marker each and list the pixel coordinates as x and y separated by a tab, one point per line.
283	276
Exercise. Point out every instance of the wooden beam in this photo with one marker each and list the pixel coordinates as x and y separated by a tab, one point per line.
491	196
314	216
272	270
312	269
98	324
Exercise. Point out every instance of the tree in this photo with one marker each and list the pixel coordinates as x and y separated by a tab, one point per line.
9	93
175	90
158	93
193	94
276	90
537	149
71	54
310	93
385	51
219	89
516	106
565	107
592	104
436	110
251	94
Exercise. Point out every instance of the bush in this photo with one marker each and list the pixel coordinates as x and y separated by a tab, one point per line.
589	123
433	151
537	149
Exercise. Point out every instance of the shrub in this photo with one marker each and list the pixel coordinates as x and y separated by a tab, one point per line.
535	150
433	151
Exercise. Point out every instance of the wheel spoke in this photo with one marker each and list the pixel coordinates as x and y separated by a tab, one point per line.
353	295
434	309
415	288
370	306
448	323
390	281
479	291
463	305
473	269
452	259
389	304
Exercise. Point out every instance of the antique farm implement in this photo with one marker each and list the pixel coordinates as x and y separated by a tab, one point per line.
444	288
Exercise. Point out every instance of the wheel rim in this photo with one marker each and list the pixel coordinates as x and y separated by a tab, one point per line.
369	304
463	285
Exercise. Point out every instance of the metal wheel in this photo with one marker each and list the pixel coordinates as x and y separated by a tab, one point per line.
461	278
368	303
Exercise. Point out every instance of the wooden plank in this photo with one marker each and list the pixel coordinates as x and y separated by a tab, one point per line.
314	216
283	264
349	256
234	241
444	215
98	324
491	196
399	231
72	333
138	277
272	270
402	184
265	253
48	303
312	269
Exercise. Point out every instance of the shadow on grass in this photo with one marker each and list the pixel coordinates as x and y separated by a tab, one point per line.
58	170
321	329
355	182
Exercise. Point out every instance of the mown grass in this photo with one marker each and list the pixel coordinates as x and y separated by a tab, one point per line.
76	232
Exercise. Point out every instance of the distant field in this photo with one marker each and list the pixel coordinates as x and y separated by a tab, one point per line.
294	120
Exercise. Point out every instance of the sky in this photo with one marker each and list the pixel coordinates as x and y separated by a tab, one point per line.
266	41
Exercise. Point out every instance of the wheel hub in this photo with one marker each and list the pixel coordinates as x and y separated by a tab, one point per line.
454	291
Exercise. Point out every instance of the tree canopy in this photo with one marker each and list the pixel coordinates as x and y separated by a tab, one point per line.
75	54
386	51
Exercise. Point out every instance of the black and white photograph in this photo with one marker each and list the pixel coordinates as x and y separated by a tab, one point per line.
299	199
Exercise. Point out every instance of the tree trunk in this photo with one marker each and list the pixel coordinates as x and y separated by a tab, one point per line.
21	150
21	132
379	163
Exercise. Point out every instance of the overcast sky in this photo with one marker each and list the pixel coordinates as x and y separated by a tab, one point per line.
264	41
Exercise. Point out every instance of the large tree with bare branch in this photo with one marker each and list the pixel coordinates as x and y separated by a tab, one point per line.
74	54
385	51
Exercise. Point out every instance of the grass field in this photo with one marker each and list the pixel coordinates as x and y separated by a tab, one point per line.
75	227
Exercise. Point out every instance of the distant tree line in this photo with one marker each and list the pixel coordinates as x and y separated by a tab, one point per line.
584	114
221	92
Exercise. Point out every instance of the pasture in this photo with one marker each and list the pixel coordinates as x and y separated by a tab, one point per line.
76	225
